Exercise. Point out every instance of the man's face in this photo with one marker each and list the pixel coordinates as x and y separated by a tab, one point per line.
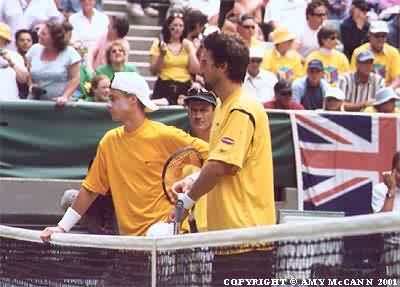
365	67
200	115
332	104
88	5
24	42
377	40
119	105
210	72
318	16
247	29
387	107
314	76
254	66
284	98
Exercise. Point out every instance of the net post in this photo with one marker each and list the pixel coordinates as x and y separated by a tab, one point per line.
154	264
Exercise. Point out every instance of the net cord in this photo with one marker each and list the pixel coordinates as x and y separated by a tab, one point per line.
333	227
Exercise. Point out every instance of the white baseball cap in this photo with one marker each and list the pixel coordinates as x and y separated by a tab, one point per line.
257	52
378	27
134	84
335	93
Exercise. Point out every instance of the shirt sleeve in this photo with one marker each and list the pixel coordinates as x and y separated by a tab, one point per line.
73	56
379	192
297	91
234	140
97	179
155	50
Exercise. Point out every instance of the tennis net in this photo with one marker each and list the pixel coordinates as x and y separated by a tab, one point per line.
351	248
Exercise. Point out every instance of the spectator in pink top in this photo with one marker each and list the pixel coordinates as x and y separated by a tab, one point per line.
384	4
283	98
118	28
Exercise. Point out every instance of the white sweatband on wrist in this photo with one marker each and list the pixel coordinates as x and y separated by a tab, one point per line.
187	201
70	218
194	176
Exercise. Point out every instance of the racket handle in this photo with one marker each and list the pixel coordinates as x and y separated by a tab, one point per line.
179	210
192	223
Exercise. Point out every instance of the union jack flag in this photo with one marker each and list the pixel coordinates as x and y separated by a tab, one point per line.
341	156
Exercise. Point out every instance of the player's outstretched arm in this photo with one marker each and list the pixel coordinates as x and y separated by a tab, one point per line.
73	214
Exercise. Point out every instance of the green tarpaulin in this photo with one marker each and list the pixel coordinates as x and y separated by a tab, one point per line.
39	140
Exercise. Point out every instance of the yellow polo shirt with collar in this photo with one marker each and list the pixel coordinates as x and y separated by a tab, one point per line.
288	67
386	63
246	198
372	109
130	166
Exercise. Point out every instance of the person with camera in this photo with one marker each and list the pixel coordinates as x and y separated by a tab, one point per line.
54	65
174	61
12	67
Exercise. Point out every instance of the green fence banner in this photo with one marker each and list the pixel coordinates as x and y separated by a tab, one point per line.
40	140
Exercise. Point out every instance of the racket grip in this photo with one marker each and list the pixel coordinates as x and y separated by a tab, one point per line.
179	210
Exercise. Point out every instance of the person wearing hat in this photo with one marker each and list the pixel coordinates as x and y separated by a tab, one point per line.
335	62
354	29
129	162
386	57
282	60
283	98
333	100
385	102
12	67
259	83
361	86
311	89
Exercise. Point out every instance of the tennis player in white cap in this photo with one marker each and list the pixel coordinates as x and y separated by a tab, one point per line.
129	162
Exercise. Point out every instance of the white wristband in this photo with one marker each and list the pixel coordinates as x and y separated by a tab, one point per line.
194	176
187	201
70	218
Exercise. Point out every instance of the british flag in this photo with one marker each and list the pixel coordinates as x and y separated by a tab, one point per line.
342	156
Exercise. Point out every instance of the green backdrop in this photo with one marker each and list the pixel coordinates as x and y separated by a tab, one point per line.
39	140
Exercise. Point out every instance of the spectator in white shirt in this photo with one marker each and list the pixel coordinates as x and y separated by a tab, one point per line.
259	82
12	67
316	14
89	24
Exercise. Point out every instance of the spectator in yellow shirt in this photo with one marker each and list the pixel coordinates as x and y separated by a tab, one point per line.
283	60
335	63
129	162
386	57
385	102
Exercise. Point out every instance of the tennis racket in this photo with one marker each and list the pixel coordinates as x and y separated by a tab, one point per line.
180	164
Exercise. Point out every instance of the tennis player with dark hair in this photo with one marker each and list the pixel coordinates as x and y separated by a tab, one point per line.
238	171
129	162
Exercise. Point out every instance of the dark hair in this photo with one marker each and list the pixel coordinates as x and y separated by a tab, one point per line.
395	160
67	26
228	48
166	34
324	33
121	25
312	6
192	18
22	31
57	34
282	85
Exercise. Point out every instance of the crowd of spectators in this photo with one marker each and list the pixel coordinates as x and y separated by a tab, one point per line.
67	50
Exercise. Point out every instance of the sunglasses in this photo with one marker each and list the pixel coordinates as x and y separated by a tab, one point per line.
248	27
196	91
114	51
332	38
285	94
177	15
380	35
319	14
255	60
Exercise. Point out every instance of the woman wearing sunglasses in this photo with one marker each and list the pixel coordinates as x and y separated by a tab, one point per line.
174	61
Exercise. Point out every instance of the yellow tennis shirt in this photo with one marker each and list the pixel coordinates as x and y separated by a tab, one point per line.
130	165
386	63
175	67
246	198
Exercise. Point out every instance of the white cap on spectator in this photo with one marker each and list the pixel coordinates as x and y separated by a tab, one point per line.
379	27
257	52
384	95
134	84
335	93
209	29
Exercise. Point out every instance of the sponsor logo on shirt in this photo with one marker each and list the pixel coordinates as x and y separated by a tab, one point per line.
331	74
380	69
